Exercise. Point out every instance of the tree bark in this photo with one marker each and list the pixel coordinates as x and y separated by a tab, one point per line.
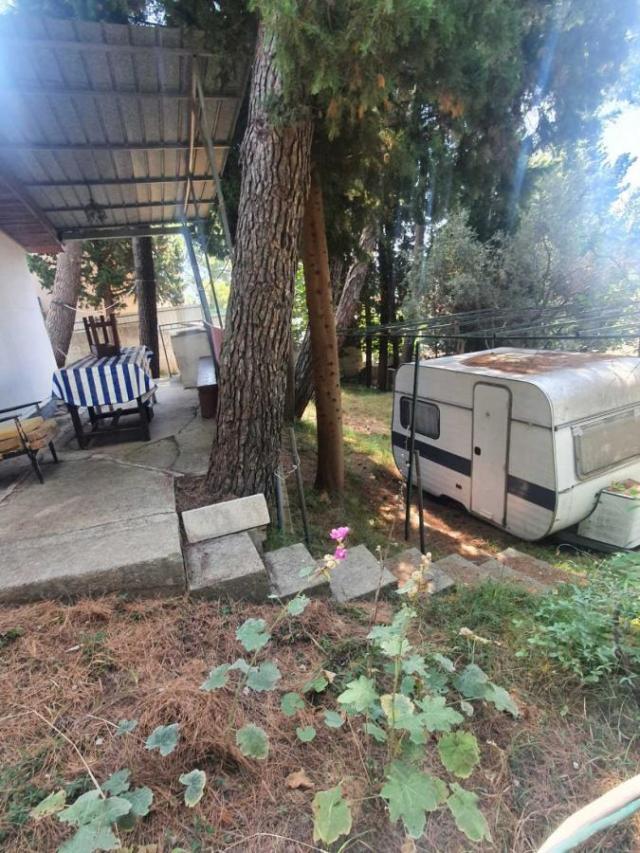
385	265
347	306
146	294
61	315
368	343
324	345
253	373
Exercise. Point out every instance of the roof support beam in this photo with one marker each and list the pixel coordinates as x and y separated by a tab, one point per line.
29	205
115	146
114	182
108	94
204	133
106	47
145	229
171	203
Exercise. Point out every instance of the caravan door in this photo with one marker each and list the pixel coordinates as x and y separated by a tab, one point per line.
491	411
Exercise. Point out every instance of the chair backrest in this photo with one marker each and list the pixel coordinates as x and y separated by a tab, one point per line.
102	335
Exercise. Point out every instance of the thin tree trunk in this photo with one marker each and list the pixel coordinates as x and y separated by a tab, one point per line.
324	345
147	298
61	315
368	344
253	373
384	264
347	306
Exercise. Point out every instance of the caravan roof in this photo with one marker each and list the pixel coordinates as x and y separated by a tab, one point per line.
578	385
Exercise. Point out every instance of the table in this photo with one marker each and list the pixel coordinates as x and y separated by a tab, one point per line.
94	383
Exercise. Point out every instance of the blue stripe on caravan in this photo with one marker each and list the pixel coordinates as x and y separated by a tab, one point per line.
517	487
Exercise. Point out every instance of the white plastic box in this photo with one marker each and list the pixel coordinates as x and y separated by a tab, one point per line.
616	518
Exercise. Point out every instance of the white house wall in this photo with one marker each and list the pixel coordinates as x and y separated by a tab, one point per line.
26	357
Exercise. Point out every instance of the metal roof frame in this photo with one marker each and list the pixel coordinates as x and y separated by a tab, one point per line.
110	130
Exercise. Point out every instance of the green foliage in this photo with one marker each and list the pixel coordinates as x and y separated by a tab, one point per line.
437	717
263	677
468	817
253	741
194	783
125	727
333	720
164	739
359	695
93	816
591	630
217	678
298	605
305	733
252	634
291	703
52	804
459	753
410	794
331	815
117	782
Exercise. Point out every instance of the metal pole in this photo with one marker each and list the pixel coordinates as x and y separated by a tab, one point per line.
277	488
204	305
203	247
412	442
300	485
166	357
420	501
212	159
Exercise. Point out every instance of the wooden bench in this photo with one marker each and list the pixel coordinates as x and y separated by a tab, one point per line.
207	385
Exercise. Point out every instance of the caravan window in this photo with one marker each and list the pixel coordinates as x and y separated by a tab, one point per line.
427	417
607	442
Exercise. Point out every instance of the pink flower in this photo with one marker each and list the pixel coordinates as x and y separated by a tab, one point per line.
340	553
339	533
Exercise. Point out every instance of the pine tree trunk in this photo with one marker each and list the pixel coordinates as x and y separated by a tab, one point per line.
368	344
324	345
384	266
253	373
347	306
66	290
147	298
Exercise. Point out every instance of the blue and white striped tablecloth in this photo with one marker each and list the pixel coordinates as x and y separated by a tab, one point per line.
95	381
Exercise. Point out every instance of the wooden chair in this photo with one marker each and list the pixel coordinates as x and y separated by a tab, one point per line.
106	328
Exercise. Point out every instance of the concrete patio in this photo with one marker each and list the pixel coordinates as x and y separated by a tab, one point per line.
105	519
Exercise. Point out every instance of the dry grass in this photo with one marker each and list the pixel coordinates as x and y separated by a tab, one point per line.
84	667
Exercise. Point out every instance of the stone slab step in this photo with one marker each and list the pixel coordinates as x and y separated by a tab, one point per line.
228	566
404	564
284	566
139	556
533	568
225	518
359	575
467	573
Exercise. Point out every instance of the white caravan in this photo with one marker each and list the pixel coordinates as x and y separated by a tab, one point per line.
526	439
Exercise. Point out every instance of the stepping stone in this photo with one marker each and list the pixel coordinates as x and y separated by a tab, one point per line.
403	565
459	569
533	568
228	566
284	566
465	572
499	571
359	576
222	519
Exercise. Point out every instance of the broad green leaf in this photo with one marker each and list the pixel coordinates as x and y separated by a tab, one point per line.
125	727
468	817
253	741
466	707
140	799
389	641
360	694
90	838
291	703
472	682
263	677
333	719
446	663
414	665
55	802
307	571
298	605
305	733
437	717
164	738
459	753
410	794
408	685
194	783
331	815
117	782
397	708
241	665
502	700
253	634
376	732
315	685
436	682
91	808
217	678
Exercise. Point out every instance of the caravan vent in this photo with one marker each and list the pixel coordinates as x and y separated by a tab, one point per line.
606	442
